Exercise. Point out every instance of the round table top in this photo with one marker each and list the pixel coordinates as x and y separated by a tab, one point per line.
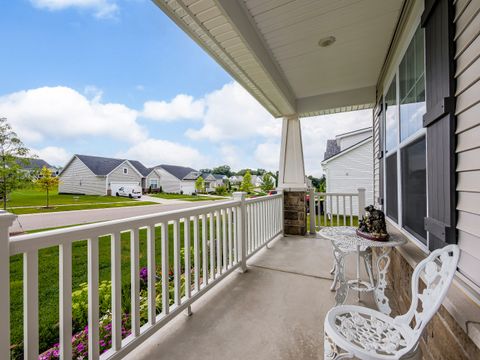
348	235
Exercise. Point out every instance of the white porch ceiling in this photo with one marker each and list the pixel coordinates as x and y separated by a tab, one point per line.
271	48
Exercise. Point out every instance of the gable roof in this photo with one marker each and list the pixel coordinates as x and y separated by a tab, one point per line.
350	148
220	176
142	169
332	149
100	166
34	164
178	171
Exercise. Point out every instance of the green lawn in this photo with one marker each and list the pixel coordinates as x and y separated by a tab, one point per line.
48	280
186	197
32	201
333	222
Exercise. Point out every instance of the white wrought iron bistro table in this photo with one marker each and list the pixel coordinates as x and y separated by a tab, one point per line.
345	241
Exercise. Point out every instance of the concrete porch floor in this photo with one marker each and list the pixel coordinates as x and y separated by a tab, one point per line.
273	311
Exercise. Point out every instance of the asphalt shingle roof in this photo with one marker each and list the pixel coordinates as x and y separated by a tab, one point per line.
34	164
100	165
178	171
332	149
142	169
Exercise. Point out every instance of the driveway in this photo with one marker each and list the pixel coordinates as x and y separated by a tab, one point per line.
65	218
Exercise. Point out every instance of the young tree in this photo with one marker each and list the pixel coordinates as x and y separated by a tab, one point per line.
200	184
12	158
246	184
47	182
267	182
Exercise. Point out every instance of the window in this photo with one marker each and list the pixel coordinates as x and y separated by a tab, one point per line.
405	142
125	170
154	183
414	185
391	187
412	87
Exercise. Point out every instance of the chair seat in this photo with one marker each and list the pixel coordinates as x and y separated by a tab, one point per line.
367	333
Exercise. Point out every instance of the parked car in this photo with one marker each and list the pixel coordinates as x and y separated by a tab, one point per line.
129	192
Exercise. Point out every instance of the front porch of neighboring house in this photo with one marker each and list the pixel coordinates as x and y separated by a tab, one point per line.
260	283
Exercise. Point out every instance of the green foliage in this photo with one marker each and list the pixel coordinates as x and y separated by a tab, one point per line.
318	183
47	182
246	184
200	185
12	158
223	170
267	183
221	190
80	303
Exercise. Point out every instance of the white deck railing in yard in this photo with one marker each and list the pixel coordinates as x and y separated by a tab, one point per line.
328	209
231	232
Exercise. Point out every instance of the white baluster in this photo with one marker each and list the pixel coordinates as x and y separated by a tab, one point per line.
176	261
30	305
224	241
229	229
116	273
65	306
212	246
196	251
151	275
135	281
204	249
188	266
241	241
93	317
165	269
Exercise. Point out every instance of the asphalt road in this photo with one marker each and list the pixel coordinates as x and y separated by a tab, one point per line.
64	218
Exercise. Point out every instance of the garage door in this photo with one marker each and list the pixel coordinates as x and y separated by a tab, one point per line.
114	186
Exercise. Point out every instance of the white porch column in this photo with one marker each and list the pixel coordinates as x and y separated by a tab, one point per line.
292	167
291	177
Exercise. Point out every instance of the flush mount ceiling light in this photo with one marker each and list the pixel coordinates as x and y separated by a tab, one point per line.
326	41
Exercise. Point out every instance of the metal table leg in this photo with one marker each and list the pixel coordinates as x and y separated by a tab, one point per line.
381	299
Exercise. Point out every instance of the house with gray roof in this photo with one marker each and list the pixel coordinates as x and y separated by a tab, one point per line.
176	179
96	175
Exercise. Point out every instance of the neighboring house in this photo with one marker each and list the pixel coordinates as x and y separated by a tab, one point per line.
35	165
210	180
172	179
94	175
236	179
348	166
256	180
220	179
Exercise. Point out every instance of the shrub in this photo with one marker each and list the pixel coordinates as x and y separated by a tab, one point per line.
221	190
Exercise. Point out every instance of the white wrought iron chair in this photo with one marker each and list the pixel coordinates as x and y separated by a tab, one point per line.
369	334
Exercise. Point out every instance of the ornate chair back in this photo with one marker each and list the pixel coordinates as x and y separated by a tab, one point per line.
437	271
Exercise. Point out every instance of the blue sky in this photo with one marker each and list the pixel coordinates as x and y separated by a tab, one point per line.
119	78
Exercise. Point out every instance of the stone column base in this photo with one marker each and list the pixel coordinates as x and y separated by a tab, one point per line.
294	212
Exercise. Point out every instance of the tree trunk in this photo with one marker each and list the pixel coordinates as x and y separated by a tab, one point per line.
47	198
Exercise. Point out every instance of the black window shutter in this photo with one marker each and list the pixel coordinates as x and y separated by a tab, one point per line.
439	120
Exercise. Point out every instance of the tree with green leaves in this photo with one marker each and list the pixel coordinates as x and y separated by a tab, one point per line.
267	183
47	182
246	184
223	170
13	158
200	185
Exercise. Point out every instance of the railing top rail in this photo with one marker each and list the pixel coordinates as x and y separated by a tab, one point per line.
36	241
263	198
335	194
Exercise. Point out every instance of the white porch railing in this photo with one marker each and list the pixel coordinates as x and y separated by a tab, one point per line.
224	236
334	209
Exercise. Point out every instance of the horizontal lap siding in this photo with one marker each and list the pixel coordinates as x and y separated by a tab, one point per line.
118	176
78	179
168	182
467	21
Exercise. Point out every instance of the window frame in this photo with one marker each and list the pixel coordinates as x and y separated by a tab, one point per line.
125	171
400	145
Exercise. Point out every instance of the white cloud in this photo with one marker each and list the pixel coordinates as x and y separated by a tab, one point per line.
53	155
182	107
268	155
61	112
232	113
317	130
100	8
153	152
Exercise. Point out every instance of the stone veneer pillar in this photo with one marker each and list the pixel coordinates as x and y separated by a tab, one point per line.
291	179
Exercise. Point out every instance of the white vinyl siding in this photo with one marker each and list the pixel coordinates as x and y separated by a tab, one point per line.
168	182
77	178
118	175
468	136
349	172
153	176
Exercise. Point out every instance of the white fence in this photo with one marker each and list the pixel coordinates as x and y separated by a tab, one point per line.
330	209
224	236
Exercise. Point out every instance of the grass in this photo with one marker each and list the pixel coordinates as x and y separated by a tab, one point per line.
334	221
41	210
186	197
48	264
32	201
